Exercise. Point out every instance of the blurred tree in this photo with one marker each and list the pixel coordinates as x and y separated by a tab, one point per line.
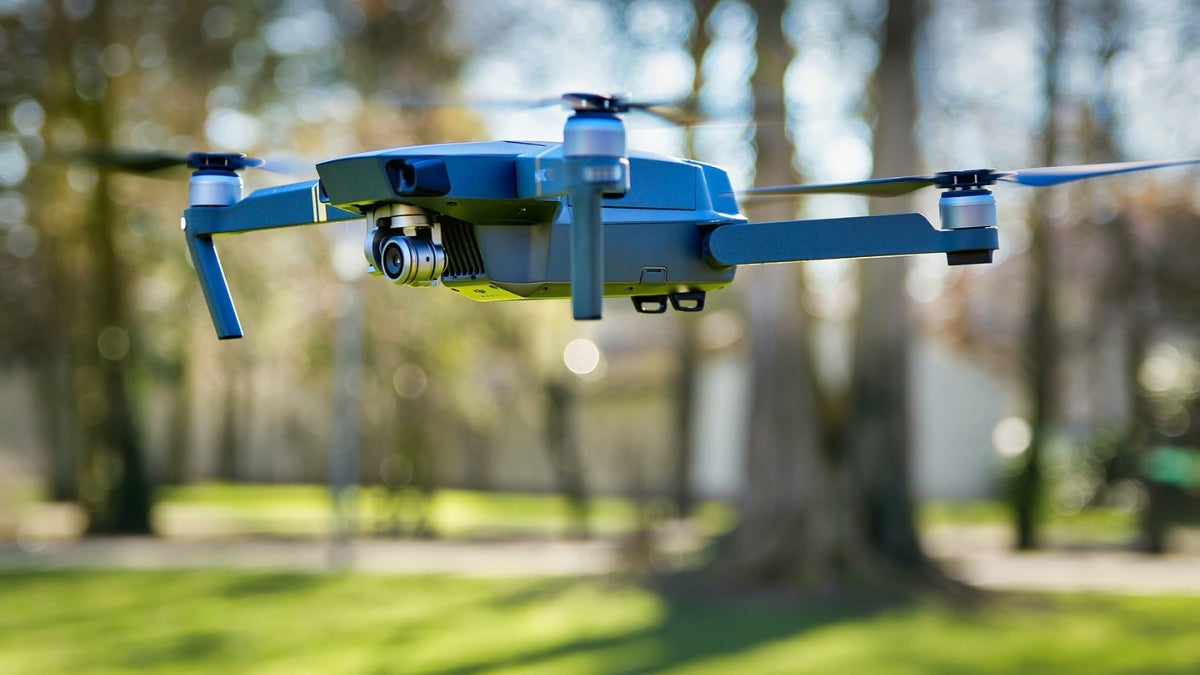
786	487
427	353
566	462
1042	344
1141	292
81	69
1090	305
689	339
826	507
30	317
1119	301
878	433
109	74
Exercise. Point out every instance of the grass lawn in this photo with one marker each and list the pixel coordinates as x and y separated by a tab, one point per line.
209	509
255	622
1099	522
303	510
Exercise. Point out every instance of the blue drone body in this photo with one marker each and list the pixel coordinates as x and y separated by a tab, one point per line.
583	219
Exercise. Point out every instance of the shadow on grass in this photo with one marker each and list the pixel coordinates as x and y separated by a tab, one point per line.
265	584
187	648
696	626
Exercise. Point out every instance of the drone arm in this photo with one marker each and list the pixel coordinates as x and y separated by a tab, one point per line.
286	206
267	209
856	237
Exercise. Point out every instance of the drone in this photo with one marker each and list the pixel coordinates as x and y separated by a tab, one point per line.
585	218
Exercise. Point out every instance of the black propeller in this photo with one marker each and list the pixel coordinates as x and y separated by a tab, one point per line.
620	103
675	113
964	180
149	162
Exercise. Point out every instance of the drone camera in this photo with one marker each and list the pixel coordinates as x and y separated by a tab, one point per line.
412	261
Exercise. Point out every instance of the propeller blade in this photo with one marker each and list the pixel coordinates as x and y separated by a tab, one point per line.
134	161
152	162
679	114
675	113
476	102
1056	175
288	165
970	179
617	103
875	187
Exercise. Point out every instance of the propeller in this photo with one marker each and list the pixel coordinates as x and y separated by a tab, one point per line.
675	113
150	162
966	180
620	103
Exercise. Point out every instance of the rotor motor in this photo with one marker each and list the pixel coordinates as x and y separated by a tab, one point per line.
412	261
965	209
961	209
216	181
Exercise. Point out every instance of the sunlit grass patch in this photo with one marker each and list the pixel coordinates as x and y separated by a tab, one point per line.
255	622
1099	525
302	510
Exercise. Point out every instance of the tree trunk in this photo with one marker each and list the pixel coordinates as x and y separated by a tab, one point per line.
790	526
1041	335
827	508
237	399
1126	276
689	338
57	412
115	487
565	459
878	434
118	496
685	395
176	470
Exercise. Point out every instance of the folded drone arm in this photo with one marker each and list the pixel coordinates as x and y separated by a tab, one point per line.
855	237
285	206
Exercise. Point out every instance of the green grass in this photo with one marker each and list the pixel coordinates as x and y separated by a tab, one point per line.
964	514
253	622
304	510
1102	525
990	512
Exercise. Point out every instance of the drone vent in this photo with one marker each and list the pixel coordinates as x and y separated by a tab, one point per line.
463	259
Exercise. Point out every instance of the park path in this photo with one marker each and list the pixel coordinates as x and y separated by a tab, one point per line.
492	558
972	557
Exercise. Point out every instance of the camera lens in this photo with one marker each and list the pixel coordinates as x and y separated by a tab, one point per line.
411	261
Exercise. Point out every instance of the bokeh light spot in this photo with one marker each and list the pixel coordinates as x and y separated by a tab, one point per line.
1011	437
582	357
